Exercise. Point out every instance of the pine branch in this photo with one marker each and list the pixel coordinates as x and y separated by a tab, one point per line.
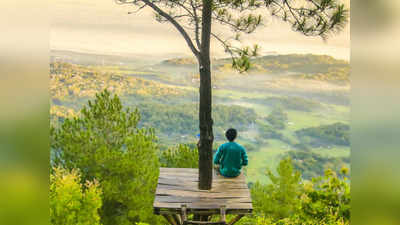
176	24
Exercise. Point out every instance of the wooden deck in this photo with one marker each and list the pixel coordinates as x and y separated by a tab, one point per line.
179	186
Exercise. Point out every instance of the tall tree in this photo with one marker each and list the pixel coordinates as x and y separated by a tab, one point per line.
194	18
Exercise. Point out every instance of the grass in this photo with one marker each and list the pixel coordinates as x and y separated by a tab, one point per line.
267	157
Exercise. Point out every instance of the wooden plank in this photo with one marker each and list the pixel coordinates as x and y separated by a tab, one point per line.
175	199
194	206
180	182
192	186
183	193
195	188
210	206
180	178
194	176
179	170
178	189
190	171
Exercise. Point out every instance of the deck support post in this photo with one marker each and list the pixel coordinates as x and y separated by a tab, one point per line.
177	218
223	212
170	219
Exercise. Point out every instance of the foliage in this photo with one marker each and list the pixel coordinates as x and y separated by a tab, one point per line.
72	200
181	120
337	133
313	164
277	118
326	198
289	200
311	18
193	19
180	156
71	80
58	114
105	144
279	199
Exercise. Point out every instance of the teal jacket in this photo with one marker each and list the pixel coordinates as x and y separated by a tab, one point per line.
231	156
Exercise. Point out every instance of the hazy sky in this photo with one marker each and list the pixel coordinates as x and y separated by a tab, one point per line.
104	27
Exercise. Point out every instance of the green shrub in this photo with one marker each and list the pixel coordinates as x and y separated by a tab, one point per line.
290	200
71	202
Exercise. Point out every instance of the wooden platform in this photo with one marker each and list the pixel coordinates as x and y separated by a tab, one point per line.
179	186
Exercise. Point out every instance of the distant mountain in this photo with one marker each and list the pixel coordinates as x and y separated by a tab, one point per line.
100	59
302	66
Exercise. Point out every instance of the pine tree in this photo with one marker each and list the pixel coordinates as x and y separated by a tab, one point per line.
105	144
193	19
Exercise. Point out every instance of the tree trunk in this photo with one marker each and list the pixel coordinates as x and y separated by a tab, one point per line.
206	131
205	119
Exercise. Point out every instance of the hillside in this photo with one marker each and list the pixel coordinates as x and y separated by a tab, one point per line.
269	109
71	80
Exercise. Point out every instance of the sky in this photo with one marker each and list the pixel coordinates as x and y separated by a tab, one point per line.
103	27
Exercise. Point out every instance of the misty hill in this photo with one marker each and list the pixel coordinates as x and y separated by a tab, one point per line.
302	66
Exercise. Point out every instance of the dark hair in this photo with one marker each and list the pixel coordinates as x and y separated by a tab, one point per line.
231	134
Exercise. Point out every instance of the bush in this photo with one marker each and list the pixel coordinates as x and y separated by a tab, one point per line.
290	200
71	202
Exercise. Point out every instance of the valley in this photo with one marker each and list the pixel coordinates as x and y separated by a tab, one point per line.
269	104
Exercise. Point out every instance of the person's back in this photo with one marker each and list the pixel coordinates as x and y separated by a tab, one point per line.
231	156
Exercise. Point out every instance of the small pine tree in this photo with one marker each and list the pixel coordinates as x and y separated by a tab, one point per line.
71	202
279	199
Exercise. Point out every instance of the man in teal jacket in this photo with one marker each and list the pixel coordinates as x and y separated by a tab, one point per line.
231	156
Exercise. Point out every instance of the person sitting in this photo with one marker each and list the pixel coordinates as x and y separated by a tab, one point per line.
231	156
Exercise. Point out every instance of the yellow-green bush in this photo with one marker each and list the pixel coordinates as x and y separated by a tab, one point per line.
71	202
